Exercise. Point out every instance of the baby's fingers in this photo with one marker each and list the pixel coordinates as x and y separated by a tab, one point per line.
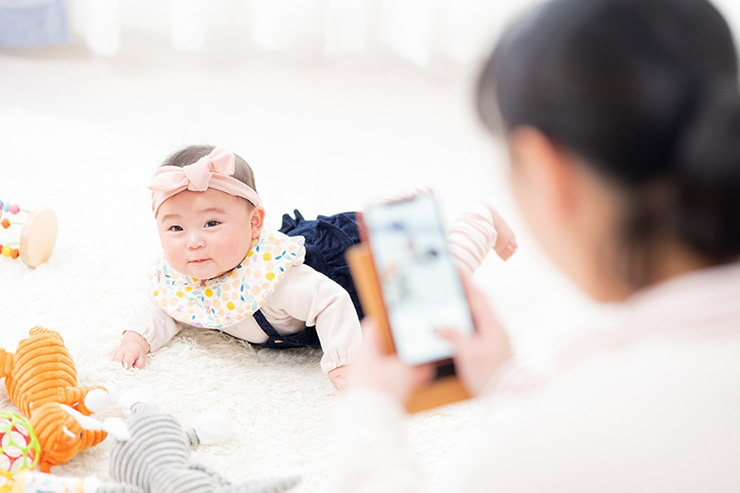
116	354
130	358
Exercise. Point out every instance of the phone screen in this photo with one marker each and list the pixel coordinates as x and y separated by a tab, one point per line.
419	282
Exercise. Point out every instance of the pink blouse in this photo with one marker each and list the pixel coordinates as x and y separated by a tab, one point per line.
653	406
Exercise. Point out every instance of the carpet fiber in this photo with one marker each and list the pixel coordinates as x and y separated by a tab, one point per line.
279	402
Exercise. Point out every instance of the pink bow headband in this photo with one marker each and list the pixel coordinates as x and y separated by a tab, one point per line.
212	171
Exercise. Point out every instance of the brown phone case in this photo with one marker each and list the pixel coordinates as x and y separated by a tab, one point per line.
443	391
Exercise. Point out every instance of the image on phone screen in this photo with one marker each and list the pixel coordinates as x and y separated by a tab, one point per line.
420	285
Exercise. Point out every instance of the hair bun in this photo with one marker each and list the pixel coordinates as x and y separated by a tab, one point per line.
706	171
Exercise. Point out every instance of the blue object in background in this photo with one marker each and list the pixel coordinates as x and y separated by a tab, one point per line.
32	22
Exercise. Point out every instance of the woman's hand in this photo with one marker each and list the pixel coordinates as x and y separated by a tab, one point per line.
385	372
478	356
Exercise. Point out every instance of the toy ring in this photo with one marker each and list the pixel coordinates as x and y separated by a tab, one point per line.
37	238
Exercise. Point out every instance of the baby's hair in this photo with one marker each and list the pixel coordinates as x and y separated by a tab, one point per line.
190	154
646	91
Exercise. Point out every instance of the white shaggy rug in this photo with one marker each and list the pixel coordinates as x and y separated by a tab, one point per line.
279	402
88	150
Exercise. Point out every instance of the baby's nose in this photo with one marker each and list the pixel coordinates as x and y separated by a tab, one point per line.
195	241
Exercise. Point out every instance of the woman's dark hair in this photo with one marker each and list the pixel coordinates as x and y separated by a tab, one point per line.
190	154
647	92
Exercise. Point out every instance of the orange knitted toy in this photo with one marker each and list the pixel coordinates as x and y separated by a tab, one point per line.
41	379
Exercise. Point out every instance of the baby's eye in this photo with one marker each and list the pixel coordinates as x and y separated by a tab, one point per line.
175	228
211	224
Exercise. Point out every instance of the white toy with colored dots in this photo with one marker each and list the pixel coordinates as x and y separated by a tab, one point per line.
19	447
37	236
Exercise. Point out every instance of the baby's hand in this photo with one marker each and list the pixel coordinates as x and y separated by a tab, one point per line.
132	351
339	376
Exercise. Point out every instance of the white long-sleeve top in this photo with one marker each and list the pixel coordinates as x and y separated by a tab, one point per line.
653	406
304	297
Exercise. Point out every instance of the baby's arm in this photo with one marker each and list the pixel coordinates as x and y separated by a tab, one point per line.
310	296
475	233
151	329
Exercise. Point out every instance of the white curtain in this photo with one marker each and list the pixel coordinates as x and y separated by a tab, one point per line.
421	32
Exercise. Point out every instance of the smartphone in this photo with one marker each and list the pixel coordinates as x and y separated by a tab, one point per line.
420	285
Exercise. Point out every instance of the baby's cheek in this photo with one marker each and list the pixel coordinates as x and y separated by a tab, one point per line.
238	244
174	256
236	253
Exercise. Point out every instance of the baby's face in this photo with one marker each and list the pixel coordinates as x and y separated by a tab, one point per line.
206	234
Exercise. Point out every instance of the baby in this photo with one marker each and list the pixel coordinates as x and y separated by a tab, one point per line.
221	269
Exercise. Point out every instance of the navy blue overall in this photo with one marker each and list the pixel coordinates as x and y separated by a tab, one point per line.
327	237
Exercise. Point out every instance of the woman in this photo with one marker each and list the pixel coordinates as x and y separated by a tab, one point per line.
622	118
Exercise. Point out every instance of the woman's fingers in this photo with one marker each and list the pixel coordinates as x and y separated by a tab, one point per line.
370	336
375	368
451	335
422	376
484	319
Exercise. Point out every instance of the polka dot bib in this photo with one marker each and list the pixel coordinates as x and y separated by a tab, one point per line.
234	296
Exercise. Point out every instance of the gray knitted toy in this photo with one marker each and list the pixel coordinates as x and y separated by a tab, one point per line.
156	459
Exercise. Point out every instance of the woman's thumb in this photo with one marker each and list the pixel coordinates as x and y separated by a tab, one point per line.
451	335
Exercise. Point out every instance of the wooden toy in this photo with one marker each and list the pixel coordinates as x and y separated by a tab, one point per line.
37	237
